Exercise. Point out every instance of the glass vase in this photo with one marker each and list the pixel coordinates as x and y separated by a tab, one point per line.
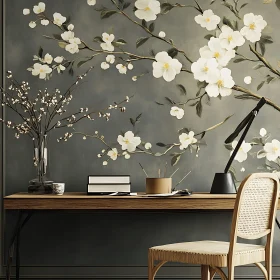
41	184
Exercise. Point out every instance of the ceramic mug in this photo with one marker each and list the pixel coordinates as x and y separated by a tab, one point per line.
58	188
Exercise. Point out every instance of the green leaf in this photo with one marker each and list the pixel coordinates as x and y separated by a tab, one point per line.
184	130
144	23
227	22
138	117
40	52
269	79
158	103
208	36
228	147
97	39
277	3
199	108
172	52
258	66
243	5
166	8
107	14
62	44
82	62
182	89
152	27
141	41
175	160
161	144
239	60
57	36
126	5
246	97
260	85
132	121
121	42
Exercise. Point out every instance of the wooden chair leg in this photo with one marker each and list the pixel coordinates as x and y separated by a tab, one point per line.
205	272
150	266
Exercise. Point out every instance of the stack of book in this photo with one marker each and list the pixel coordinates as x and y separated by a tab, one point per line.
108	184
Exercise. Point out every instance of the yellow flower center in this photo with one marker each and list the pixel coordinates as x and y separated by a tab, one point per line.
41	70
216	55
252	26
207	19
147	9
229	38
166	66
275	149
126	141
220	83
205	69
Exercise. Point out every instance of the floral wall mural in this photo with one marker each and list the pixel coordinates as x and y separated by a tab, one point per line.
225	42
191	71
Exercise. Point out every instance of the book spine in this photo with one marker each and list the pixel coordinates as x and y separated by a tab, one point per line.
109	180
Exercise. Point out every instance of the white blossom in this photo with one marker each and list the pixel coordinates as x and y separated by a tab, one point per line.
147	9
91	2
113	154
48	58
221	84
215	50
26	12
242	152
107	42
187	139
165	66
129	142
41	69
263	132
148	146
127	156
254	24
58	19
32	24
45	22
70	27
161	34
130	66
177	112
122	68
75	40
134	78
105	163
72	48
242	169
67	35
208	20
60	68
110	58
105	65
204	69
230	39
248	80
271	150
58	59
40	8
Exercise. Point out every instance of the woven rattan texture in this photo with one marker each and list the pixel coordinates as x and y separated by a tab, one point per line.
255	207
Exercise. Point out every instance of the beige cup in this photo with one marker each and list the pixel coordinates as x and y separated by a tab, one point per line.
158	185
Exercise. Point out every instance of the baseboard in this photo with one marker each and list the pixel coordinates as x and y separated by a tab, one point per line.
170	272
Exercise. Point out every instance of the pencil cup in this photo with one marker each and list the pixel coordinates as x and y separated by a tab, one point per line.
158	185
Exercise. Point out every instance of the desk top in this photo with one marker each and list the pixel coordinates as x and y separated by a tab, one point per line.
82	201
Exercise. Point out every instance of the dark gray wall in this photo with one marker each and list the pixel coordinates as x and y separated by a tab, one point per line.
114	245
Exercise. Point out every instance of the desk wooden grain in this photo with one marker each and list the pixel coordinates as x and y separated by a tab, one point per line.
82	201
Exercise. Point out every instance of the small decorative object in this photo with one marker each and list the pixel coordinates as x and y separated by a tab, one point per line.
158	185
58	188
41	113
161	185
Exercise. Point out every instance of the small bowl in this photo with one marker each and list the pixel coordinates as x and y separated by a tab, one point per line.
58	188
158	185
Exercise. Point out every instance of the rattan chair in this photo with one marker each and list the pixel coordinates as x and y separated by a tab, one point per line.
253	218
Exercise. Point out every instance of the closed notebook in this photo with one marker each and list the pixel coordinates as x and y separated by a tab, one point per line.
109	179
108	188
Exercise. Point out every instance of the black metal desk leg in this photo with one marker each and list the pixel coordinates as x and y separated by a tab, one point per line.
16	237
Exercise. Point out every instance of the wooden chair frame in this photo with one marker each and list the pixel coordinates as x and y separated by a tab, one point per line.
208	272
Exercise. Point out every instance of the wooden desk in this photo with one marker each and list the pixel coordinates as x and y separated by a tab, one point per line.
82	201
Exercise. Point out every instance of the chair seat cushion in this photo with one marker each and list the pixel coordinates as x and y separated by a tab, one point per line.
206	252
